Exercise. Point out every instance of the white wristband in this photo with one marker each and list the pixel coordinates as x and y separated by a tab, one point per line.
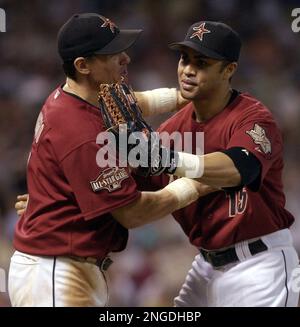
189	165
185	191
161	100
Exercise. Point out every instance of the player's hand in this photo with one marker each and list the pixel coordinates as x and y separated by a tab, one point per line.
202	188
21	204
122	116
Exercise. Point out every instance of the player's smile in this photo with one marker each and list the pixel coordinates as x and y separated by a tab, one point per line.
187	84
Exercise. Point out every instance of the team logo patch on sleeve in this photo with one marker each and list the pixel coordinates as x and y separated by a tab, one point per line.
259	137
110	179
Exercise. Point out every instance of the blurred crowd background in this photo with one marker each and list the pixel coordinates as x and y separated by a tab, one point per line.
152	269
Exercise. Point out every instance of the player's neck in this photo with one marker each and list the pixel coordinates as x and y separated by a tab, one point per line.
82	91
208	108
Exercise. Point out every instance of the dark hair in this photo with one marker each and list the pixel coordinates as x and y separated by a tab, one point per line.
224	64
69	69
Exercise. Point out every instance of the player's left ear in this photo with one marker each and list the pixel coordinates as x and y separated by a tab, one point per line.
82	65
229	70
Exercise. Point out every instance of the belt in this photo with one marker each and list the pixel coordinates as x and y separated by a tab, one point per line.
224	257
103	264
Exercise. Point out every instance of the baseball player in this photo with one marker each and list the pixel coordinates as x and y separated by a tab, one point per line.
246	256
77	212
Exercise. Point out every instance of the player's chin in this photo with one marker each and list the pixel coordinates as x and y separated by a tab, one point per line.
187	94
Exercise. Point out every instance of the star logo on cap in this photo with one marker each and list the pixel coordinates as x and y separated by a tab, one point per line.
109	23
200	31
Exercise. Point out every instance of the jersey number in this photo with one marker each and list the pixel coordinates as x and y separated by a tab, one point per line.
237	202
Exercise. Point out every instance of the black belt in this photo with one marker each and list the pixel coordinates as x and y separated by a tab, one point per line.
224	257
103	264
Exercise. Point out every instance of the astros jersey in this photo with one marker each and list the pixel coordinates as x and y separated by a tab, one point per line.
224	218
70	196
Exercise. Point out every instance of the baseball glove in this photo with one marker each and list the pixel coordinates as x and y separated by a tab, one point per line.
118	106
120	111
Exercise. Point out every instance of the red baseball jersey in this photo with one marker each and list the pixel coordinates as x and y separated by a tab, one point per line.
70	196
221	219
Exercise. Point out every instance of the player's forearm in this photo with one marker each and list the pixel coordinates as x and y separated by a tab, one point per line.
220	171
159	101
152	206
214	169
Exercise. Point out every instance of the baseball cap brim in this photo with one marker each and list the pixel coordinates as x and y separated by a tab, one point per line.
197	47
124	40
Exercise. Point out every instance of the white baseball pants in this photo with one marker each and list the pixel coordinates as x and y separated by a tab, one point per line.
36	281
263	280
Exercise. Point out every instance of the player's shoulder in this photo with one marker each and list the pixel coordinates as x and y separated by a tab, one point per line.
68	122
252	112
250	107
66	113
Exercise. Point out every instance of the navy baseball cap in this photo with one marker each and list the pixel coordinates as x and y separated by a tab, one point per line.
86	34
212	39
